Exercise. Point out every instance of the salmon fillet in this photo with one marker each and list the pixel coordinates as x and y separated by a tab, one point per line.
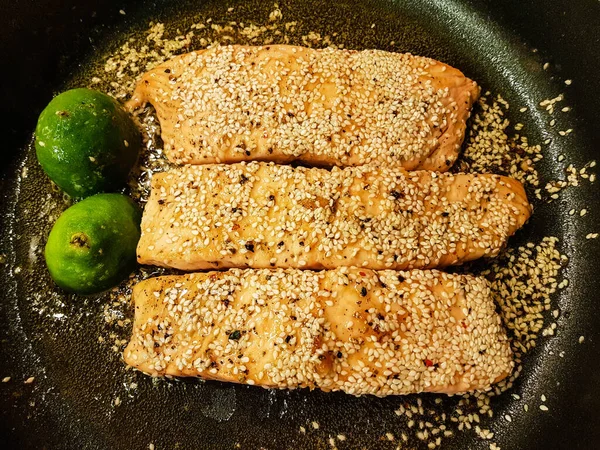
324	107
264	215
348	329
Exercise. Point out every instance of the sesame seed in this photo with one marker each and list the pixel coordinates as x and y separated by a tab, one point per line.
29	380
568	82
543	407
581	339
5	379
315	425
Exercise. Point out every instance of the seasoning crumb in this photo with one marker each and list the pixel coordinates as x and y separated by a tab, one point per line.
389	436
117	401
315	425
29	380
302	430
341	437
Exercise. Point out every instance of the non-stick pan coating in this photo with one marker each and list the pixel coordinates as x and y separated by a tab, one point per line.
503	45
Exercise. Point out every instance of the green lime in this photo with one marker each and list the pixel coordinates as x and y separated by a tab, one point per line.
86	142
92	245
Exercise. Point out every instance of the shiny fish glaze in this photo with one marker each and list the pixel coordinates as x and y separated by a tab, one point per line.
323	107
262	215
349	329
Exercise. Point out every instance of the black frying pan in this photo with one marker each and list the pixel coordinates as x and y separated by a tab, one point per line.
47	45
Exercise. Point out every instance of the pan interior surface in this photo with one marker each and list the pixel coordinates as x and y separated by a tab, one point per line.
82	395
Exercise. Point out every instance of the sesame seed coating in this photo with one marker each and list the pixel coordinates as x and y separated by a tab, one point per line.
348	329
264	215
324	107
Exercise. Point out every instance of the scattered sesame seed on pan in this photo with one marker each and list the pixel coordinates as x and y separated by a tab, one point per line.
489	149
499	153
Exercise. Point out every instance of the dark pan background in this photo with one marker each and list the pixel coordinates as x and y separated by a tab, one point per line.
44	42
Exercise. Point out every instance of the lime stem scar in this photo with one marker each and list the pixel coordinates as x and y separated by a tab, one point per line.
80	240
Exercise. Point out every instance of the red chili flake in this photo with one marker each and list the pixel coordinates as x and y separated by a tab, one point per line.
428	363
362	274
464	325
